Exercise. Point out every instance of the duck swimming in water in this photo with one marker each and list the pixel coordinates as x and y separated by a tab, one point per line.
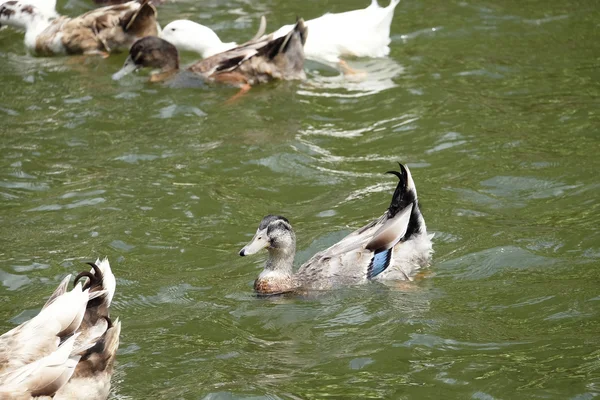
100	31
257	61
47	7
67	351
357	33
393	247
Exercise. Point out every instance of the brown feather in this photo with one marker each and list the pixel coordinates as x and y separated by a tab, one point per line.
105	29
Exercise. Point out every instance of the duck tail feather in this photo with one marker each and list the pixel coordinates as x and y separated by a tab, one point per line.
90	336
261	29
111	340
108	278
143	21
300	31
405	192
286	40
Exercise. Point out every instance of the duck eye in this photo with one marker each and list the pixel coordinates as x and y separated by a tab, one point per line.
260	237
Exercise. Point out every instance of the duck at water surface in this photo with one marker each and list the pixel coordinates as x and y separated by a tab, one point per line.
257	61
67	351
100	31
46	7
357	33
393	247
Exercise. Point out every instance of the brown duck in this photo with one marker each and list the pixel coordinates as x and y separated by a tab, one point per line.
100	31
257	61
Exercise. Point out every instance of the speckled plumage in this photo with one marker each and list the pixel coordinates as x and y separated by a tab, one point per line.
99	31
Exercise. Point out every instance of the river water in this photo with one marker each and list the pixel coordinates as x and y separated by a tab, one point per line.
495	107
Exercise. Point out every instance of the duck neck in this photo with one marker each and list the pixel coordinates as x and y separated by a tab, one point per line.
281	260
163	74
202	40
277	277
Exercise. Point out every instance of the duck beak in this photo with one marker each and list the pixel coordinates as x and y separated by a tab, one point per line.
128	68
259	241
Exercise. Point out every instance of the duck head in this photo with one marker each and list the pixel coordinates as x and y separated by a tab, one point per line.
274	233
187	35
151	52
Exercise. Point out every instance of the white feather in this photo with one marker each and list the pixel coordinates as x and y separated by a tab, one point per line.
109	283
54	369
357	33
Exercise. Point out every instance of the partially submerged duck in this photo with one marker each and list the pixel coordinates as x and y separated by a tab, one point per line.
357	33
99	31
67	351
47	7
257	61
393	247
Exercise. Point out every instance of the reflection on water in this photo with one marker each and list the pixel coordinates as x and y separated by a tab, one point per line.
370	77
494	108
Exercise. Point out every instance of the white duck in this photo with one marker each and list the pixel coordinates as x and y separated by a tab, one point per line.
357	33
34	364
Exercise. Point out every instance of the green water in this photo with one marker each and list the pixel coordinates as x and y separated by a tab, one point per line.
495	106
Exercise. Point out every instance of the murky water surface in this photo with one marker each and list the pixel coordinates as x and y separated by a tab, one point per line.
494	105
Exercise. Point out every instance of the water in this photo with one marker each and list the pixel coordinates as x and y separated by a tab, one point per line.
495	107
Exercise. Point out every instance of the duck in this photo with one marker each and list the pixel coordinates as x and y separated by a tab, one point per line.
101	31
67	351
357	33
394	247
47	7
257	61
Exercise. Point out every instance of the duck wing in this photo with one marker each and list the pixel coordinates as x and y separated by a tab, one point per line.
33	364
91	378
99	338
43	377
101	284
41	335
368	251
261	59
59	291
109	28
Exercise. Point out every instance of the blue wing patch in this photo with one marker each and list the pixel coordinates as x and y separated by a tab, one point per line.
379	263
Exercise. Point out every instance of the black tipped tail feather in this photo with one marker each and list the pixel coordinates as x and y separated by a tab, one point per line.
403	195
293	41
143	21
